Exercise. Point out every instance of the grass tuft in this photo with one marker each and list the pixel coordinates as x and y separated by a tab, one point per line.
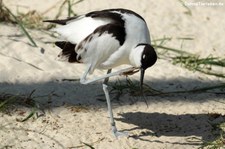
4	15
20	23
32	19
120	88
203	65
132	88
219	142
209	65
10	102
217	133
69	4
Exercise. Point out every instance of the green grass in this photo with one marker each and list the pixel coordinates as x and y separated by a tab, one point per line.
10	102
132	88
219	143
21	26
68	5
217	132
27	103
203	65
34	19
209	65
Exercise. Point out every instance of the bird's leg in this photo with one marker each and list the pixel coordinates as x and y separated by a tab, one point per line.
113	124
83	79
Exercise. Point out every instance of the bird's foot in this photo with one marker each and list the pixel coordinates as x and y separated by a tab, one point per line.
117	133
130	72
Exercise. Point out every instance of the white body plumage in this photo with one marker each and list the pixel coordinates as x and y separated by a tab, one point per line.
102	49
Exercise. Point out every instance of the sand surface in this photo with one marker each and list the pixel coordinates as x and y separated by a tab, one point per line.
71	114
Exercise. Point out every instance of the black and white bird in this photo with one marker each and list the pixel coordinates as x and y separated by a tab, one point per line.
106	39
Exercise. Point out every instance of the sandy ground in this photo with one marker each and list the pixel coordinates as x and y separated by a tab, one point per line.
73	115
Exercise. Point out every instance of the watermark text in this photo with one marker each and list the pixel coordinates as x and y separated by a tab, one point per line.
206	4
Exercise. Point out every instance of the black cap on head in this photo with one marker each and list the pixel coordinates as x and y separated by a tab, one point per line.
148	58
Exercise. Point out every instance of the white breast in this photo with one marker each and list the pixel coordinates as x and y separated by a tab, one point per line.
136	32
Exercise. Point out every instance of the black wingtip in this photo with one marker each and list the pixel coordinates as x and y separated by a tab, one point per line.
61	22
68	50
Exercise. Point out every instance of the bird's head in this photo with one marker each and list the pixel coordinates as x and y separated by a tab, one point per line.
143	56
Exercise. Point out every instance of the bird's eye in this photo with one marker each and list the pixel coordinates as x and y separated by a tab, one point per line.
143	57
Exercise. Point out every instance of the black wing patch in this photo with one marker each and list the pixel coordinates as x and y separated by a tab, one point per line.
116	28
121	10
117	31
68	50
61	22
108	13
105	14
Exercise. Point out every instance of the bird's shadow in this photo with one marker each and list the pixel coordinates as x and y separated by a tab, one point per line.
203	126
156	124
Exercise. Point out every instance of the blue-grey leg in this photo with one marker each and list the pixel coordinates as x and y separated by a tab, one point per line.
84	80
112	122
